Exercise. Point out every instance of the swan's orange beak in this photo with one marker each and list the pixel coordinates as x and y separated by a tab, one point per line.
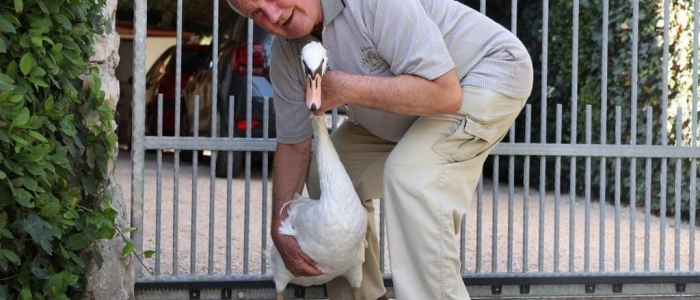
313	91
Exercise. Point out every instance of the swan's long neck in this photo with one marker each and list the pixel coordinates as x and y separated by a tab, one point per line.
334	179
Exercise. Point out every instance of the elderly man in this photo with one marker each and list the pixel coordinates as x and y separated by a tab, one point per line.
430	87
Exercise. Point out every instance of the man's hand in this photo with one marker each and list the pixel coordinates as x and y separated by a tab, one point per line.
295	260
332	91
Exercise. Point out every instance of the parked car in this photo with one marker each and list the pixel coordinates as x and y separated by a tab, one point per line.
232	81
161	79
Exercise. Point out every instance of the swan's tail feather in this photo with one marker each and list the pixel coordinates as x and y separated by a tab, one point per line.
287	229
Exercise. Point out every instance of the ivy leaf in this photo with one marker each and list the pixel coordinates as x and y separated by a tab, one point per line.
11	256
77	241
6	233
22	118
37	229
6	83
61	19
26	63
149	254
128	249
40	273
19	6
2	175
6	26
3	45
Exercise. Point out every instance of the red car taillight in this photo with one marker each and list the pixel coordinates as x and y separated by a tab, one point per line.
241	124
239	59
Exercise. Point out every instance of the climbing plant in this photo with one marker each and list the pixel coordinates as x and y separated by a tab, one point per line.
56	139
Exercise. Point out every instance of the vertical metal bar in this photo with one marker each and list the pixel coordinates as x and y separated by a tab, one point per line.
138	128
229	188
543	129
574	133
482	6
693	135
212	172
557	188
159	185
587	226
249	116
664	133
679	143
479	220
647	193
494	219
462	247
265	168
382	234
514	16
526	187
178	112
603	130
511	199
618	187
193	217
633	128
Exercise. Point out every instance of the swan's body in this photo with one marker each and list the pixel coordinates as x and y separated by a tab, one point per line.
330	230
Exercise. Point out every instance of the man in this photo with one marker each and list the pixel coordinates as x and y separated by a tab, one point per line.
430	87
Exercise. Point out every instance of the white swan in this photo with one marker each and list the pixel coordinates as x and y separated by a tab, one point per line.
331	230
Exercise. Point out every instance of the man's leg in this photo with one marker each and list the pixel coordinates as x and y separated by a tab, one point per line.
429	181
363	156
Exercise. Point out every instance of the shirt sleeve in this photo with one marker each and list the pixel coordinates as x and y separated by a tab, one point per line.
407	38
292	117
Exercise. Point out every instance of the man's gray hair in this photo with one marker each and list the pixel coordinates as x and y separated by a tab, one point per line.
230	3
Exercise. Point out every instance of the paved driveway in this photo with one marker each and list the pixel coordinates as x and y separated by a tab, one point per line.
208	197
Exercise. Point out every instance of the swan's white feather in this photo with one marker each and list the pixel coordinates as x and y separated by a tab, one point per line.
330	230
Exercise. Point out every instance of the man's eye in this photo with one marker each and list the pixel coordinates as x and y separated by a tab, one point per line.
255	13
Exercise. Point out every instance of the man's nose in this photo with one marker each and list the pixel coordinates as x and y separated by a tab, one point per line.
273	12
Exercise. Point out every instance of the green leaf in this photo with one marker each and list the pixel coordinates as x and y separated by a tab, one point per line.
128	249
77	241
3	45
61	19
38	136
37	228
19	6
36	41
6	83
23	197
129	229
40	273
6	26
11	256
6	233
25	294
149	254
38	82
2	175
26	63
22	117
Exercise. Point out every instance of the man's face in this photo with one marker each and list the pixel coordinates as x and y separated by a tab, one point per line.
284	18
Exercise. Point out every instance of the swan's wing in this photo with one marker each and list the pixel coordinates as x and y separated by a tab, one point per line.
297	206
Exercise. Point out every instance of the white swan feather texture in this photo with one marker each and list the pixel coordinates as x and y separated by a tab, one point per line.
330	230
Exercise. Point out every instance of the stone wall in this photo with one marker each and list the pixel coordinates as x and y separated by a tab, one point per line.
115	279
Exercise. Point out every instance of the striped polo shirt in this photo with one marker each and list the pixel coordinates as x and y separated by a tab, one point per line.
425	38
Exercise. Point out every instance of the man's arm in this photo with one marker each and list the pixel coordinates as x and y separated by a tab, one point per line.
288	177
403	94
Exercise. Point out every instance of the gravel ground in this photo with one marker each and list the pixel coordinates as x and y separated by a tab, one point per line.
537	257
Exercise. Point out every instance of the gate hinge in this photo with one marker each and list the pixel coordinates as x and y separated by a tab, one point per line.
680	287
590	288
617	288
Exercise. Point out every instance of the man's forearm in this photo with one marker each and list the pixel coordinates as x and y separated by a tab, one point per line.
404	94
288	176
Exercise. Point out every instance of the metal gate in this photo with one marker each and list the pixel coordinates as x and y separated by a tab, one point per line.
209	233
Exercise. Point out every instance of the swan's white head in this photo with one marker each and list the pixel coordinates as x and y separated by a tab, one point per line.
314	60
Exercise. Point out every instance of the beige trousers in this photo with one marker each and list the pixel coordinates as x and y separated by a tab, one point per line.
428	180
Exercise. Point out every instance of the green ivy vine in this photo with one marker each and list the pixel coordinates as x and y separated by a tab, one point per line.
56	140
